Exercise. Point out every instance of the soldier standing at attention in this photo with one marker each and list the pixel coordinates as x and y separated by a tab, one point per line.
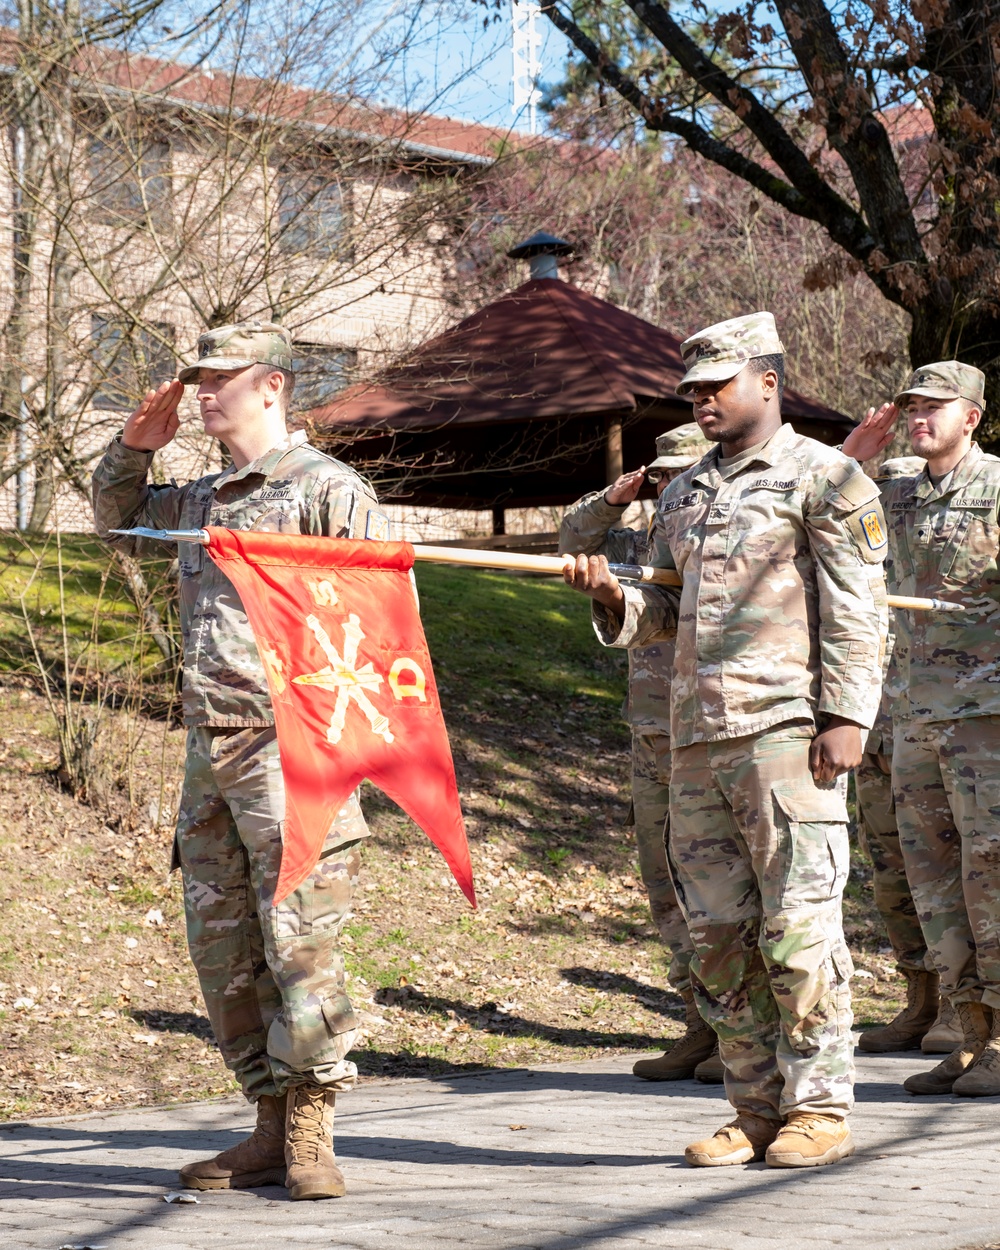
272	976
780	624
927	1021
593	524
944	531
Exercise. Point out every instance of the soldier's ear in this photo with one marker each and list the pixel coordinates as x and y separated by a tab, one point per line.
973	417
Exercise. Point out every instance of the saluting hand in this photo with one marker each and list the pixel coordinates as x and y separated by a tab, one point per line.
873	434
154	423
592	576
625	488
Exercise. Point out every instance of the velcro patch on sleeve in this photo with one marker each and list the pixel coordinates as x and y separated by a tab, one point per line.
867	528
378	527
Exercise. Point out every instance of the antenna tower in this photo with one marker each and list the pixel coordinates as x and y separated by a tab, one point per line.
527	42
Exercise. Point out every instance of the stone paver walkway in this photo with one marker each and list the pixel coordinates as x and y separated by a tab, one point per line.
598	1163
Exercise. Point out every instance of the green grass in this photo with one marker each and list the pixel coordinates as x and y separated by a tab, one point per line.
493	637
496	638
100	616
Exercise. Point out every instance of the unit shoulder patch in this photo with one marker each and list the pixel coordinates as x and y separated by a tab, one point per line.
872	525
378	527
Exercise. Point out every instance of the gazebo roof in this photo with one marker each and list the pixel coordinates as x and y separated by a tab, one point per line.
510	406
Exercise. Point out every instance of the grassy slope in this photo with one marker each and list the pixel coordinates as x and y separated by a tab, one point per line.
560	960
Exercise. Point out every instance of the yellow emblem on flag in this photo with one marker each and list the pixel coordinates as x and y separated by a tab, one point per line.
872	523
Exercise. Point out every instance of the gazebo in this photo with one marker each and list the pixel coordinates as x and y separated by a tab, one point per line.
533	400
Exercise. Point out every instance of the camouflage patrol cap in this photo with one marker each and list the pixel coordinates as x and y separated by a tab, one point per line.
899	466
721	351
681	448
948	379
239	346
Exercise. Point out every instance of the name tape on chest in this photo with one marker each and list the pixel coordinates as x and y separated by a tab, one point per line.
766	483
969	502
682	501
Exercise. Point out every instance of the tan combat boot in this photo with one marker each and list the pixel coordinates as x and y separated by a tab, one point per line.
312	1172
975	1021
982	1080
680	1061
945	1034
907	1030
743	1140
711	1071
808	1139
259	1160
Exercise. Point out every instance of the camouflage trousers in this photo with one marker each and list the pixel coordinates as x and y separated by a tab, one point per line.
946	777
650	807
879	838
760	859
272	977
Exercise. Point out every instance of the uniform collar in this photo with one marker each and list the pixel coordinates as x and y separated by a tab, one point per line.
263	466
960	476
707	472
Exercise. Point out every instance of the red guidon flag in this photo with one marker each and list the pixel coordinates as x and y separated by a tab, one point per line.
347	664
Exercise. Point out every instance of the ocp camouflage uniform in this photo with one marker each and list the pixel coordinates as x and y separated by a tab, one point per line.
780	622
273	977
945	690
592	525
878	832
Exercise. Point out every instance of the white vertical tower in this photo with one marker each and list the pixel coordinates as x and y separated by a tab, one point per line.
527	41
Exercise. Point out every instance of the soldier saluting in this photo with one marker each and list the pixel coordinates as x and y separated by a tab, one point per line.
944	535
272	976
780	627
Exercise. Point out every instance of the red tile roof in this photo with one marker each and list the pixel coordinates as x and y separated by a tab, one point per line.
150	79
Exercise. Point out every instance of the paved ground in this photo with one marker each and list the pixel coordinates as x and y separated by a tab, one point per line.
596	1164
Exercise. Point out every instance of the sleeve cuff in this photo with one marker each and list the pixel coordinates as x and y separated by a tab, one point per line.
609	629
127	457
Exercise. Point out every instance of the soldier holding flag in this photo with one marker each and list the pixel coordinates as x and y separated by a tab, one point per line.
272	976
780	628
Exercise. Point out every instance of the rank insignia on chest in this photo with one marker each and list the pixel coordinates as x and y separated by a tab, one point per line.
377	527
872	524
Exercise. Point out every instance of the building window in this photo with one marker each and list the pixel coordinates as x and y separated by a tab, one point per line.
320	372
314	214
128	360
130	187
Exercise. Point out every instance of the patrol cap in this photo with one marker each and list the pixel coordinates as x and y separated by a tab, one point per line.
948	379
681	448
238	346
899	466
720	352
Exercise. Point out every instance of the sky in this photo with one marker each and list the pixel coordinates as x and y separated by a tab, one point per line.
453	66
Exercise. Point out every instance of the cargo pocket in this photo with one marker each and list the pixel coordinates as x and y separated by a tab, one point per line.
339	1014
813	853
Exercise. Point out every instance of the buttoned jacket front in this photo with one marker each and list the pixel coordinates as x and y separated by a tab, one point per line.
782	614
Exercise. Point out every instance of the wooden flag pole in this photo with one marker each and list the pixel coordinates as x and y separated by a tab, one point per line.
628	572
534	564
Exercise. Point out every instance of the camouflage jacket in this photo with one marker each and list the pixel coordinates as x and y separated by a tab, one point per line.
292	489
943	542
589	527
782	615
